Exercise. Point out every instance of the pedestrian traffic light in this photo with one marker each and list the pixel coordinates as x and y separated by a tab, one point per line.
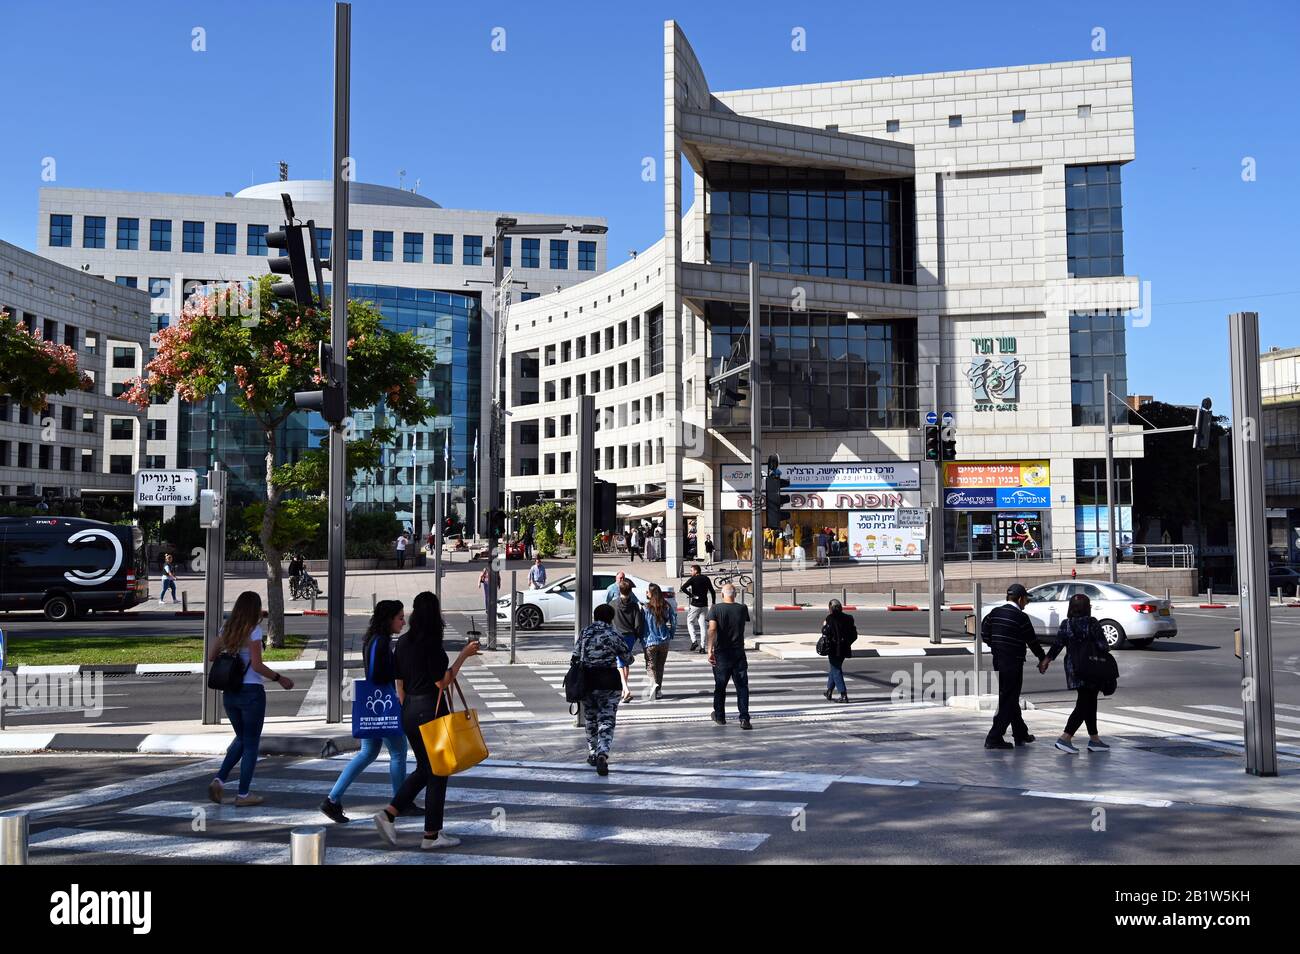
496	524
933	449
292	251
1204	418
775	498
949	447
331	400
604	499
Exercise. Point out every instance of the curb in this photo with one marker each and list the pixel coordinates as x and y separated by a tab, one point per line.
799	651
207	743
1213	606
315	612
900	609
154	669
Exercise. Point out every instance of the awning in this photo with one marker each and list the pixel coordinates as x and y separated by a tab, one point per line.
658	508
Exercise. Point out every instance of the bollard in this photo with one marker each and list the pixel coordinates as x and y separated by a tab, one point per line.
1279	596
307	846
13	838
978	606
185	602
1166	594
313	601
373	602
1209	594
893	596
794	596
514	610
844	596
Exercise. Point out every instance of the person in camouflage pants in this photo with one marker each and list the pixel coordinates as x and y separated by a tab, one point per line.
602	652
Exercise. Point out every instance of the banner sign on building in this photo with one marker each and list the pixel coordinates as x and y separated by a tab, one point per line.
990	485
875	535
846	486
166	488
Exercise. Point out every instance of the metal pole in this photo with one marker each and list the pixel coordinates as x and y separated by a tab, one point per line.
755	443
936	574
13	838
307	846
586	517
514	609
494	449
938	499
1110	479
1252	545
978	607
339	339
214	589
437	546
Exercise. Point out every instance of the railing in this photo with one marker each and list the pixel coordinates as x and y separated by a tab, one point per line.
1175	556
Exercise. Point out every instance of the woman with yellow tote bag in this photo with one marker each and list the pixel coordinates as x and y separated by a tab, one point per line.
454	742
422	674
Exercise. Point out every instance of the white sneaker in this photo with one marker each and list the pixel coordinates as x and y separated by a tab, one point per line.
648	692
386	828
443	840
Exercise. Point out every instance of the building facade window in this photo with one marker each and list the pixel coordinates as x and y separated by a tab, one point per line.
586	256
1091	519
529	296
65	458
119	464
442	253
123	357
60	231
532	253
472	250
811	222
127	281
560	253
45	457
1094	230
354	245
381	246
192	237
324	245
87	461
655	342
1096	347
128	234
156	430
505	250
160	235
227	237
92	231
257	239
412	247
122	429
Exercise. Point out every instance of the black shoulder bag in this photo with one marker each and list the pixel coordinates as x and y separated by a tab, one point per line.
226	673
575	680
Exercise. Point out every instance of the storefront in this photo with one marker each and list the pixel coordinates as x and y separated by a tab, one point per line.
849	507
996	510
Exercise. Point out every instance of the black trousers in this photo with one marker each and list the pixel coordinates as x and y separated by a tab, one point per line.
417	711
733	665
1010	681
1085	712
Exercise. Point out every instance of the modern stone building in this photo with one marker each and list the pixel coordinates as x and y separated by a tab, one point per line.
85	443
426	267
1279	384
946	242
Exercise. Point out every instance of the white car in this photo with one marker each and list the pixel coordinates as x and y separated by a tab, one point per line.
555	602
1128	616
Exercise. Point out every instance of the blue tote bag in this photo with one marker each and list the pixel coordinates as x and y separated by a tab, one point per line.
376	713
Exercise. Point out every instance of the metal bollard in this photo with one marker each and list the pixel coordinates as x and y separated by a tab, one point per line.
307	846
844	596
313	601
185	602
1279	596
13	838
1166	594
373	602
1209	594
514	610
893	596
978	607
794	596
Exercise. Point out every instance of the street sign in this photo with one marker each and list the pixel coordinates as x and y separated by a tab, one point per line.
909	518
671	503
947	419
931	417
166	488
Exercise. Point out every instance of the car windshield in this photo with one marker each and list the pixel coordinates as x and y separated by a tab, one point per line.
1124	592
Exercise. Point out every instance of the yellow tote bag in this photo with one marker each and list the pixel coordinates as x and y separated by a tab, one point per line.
454	742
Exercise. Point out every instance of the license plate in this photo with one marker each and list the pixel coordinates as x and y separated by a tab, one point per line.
1164	611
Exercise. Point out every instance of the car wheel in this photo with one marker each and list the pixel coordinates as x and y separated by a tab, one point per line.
1142	643
528	617
59	609
1114	634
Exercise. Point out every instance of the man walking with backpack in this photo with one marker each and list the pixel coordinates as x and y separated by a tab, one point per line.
1008	631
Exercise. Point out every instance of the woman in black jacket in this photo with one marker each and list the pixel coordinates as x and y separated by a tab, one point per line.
421	667
840	633
1080	636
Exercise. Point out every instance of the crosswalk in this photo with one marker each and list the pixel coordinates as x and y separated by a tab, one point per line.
505	812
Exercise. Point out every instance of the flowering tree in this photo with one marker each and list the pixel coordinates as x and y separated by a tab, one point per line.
264	353
31	368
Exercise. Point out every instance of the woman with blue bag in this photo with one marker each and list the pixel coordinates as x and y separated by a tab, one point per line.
375	709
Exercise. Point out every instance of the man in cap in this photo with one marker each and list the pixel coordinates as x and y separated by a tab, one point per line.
1008	631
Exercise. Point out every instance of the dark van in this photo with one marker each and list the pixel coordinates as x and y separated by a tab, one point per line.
67	565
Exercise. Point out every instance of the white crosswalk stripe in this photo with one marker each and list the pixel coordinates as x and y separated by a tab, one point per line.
1187	724
494	700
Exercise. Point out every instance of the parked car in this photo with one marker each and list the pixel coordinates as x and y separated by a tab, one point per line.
1128	616
1287	577
66	566
555	603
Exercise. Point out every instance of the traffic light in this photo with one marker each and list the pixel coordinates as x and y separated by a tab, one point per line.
775	498
949	448
332	399
1204	418
291	245
496	524
933	448
604	499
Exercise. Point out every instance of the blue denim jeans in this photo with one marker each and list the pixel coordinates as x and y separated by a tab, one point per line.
369	751
835	679
246	710
168	584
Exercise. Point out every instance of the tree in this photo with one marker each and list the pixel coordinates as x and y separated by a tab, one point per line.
1164	479
32	368
264	349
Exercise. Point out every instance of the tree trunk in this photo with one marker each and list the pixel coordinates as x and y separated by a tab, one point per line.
273	632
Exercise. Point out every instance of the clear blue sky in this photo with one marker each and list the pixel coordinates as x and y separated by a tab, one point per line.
560	121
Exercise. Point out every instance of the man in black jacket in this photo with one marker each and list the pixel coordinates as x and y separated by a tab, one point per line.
1008	631
699	589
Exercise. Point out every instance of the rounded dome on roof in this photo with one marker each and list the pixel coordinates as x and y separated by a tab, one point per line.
322	190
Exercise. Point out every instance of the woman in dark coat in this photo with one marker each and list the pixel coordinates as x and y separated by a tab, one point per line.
1080	634
841	632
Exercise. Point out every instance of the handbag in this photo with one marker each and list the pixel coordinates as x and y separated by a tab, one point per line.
376	710
226	674
453	742
575	680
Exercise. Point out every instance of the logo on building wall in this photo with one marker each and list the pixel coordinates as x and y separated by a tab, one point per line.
994	377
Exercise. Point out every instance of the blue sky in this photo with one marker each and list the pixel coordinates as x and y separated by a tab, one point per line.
560	121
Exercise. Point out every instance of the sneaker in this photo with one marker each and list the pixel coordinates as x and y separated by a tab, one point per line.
1098	746
844	698
216	790
1024	740
828	693
334	811
746	724
386	828
602	765
648	692
242	801
659	692
720	720
1069	747
591	759
997	744
443	840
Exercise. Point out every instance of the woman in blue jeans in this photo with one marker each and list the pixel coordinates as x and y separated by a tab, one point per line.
246	707
841	633
377	651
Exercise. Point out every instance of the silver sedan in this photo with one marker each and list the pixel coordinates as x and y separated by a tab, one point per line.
1128	616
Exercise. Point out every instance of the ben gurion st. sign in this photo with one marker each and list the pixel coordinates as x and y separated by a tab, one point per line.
166	488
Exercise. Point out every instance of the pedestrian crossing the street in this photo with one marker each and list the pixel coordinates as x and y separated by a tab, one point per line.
505	812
